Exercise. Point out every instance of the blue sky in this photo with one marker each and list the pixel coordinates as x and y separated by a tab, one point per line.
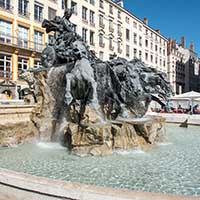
175	18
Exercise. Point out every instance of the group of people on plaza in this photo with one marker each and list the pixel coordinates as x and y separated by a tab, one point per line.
179	109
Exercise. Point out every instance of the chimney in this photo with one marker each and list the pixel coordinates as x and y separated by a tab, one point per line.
183	42
158	31
145	21
192	46
174	44
120	3
169	46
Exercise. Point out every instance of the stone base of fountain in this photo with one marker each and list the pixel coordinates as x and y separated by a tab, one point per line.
104	138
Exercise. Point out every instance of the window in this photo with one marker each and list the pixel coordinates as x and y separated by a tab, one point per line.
111	43
152	58
101	40
140	27
92	2
111	29
51	13
135	53
5	4
119	14
156	60
135	24
127	20
22	64
146	32
23	36
38	40
163	63
151	46
38	12
74	7
140	55
23	7
127	34
127	50
160	62
146	43
140	41
84	34
160	50
92	17
135	38
163	52
5	66
37	63
111	9
101	5
146	56
5	31
156	48
84	13
119	47
101	54
92	38
101	23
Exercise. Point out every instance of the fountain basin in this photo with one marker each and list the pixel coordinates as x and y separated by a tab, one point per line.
172	167
17	186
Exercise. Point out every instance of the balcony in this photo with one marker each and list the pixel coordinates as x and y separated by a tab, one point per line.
119	51
5	74
119	33
111	29
92	24
85	21
102	25
38	19
20	43
24	14
111	48
92	44
102	45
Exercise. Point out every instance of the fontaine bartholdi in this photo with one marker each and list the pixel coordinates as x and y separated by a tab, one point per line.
93	107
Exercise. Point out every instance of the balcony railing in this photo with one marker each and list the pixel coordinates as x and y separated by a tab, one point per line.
119	50
24	13
102	45
5	74
111	48
119	33
102	25
21	43
111	29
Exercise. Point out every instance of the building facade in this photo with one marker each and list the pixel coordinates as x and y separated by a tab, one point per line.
110	29
183	67
21	38
106	26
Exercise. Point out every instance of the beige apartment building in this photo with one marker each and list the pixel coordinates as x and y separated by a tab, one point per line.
21	38
104	24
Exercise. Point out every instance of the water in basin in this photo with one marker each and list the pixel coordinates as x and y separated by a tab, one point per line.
171	167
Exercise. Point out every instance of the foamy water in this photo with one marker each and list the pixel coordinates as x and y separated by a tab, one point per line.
130	152
164	143
50	145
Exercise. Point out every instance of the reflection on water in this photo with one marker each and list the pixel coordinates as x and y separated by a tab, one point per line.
171	167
